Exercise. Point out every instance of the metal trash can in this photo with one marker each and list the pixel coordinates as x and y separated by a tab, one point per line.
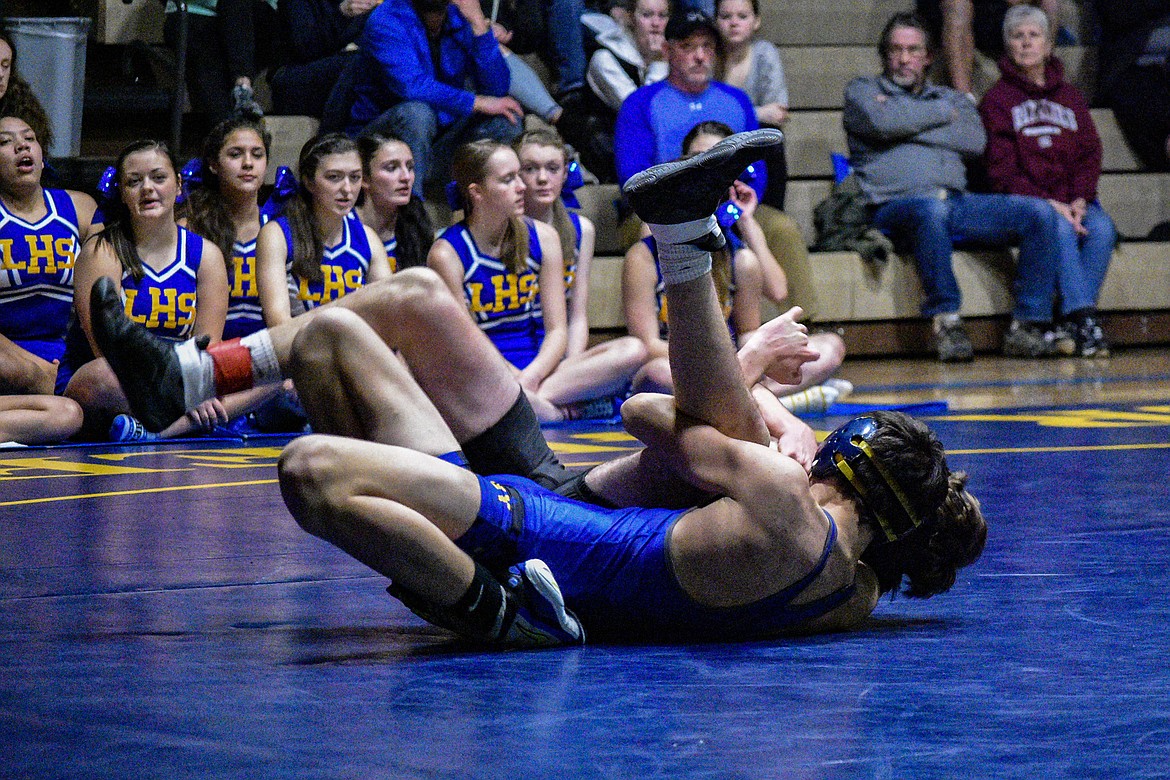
50	55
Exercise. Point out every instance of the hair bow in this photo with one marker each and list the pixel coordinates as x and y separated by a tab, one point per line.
283	189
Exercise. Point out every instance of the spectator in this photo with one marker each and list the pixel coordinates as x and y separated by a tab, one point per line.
37	292
228	43
496	261
589	381
965	26
654	120
1041	141
388	204
1134	74
550	28
172	281
629	54
416	61
315	77
16	96
909	140
318	250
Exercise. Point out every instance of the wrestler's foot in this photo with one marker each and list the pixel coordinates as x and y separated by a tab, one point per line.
146	366
541	620
689	190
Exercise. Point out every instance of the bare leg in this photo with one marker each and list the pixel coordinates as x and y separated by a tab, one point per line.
393	509
38	419
23	373
958	41
601	370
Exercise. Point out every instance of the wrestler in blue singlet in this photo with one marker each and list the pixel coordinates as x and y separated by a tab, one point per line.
733	245
613	566
164	301
344	266
36	278
501	302
244	315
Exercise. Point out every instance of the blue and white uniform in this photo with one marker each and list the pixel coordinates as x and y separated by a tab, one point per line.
502	302
244	314
734	244
36	278
570	275
165	301
613	566
344	267
391	247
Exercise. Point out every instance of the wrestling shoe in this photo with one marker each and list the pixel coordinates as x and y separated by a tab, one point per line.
689	190
146	366
126	429
541	618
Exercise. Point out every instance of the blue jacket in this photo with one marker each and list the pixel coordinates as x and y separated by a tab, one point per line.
397	65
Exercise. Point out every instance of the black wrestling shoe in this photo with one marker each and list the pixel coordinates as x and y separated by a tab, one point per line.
146	366
691	189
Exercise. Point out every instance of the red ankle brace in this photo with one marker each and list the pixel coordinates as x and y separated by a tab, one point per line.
233	367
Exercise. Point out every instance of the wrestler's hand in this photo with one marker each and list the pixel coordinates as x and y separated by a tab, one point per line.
777	348
208	414
793	437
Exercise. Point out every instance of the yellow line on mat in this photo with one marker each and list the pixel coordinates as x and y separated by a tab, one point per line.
138	492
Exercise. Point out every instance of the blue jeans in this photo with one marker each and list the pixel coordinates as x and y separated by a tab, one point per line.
434	147
528	89
1084	259
935	225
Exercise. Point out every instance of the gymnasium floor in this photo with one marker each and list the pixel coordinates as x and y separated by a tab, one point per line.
162	616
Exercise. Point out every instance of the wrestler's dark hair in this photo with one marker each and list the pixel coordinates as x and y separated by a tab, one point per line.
205	209
308	248
119	231
19	101
953	531
900	20
561	222
412	224
470	167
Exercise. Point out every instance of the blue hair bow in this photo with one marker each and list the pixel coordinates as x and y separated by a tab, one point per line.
454	198
283	189
192	176
573	182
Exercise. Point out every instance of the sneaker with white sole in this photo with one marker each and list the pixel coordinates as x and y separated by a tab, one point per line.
541	618
128	429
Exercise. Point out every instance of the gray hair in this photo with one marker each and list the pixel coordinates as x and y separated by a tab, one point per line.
1023	14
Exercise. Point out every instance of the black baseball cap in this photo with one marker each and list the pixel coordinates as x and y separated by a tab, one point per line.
683	24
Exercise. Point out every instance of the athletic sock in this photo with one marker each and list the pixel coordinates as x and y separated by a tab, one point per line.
678	256
198	371
265	366
483	607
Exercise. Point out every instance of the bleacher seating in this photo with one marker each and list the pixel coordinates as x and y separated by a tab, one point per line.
824	43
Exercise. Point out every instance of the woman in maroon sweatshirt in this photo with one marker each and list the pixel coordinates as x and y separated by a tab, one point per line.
1041	142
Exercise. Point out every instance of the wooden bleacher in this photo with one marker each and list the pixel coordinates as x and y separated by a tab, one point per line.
825	43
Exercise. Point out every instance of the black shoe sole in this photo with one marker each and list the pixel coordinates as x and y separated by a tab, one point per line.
691	189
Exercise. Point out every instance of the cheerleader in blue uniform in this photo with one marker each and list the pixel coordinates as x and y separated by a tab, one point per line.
590	381
172	280
41	232
388	205
318	250
498	262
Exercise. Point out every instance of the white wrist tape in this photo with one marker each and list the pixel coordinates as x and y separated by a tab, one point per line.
198	374
680	260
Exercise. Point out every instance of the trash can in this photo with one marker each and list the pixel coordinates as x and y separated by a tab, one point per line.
50	55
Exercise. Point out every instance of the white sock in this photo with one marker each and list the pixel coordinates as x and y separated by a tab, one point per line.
265	366
679	259
198	374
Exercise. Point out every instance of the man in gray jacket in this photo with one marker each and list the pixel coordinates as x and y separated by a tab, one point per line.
908	140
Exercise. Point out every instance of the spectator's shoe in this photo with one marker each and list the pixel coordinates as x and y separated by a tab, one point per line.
812	401
244	103
126	429
1090	339
1026	340
689	190
602	408
1062	339
953	343
146	366
541	618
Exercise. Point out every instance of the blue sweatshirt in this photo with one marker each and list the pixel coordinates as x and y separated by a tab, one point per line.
397	65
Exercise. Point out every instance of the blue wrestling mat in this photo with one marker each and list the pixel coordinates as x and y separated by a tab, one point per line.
162	616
